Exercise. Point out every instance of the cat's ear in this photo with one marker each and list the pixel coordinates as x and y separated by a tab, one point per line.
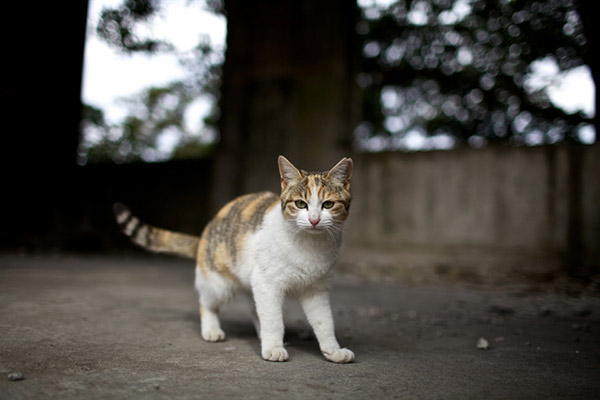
342	172
287	171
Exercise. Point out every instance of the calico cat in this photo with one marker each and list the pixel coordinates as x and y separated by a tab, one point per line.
270	247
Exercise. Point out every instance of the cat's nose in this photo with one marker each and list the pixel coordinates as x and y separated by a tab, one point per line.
314	221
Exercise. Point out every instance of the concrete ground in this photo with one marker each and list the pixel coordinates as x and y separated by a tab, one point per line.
127	327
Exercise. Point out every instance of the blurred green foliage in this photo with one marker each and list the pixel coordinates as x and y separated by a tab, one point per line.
461	68
155	113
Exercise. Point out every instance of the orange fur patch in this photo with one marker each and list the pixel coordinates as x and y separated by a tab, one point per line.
224	237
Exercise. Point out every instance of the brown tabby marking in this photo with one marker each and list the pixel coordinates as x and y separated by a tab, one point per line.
153	238
326	187
224	236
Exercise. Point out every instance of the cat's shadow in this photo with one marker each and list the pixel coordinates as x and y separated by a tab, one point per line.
233	327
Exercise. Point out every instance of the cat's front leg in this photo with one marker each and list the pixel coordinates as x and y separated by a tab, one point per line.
269	304
317	308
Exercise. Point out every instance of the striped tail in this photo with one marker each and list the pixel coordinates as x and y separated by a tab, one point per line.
155	239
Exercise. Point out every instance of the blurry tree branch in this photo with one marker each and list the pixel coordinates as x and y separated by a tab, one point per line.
467	64
117	26
155	111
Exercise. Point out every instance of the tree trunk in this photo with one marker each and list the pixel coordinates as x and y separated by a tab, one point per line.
288	88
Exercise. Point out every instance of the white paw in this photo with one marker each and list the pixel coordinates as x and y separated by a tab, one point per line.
275	354
213	335
340	356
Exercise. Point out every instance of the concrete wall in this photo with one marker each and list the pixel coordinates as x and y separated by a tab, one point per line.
494	213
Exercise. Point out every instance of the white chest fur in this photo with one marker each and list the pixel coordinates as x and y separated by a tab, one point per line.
286	257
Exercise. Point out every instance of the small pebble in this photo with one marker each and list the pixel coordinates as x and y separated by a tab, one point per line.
483	344
15	376
374	311
546	312
502	311
583	312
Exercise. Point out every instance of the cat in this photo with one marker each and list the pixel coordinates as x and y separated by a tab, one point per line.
269	247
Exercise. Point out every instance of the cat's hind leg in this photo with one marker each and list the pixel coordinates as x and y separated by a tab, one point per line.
209	323
213	292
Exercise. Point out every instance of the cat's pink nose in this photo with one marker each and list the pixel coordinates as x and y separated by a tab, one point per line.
314	221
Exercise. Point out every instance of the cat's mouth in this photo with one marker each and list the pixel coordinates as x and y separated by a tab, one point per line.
314	230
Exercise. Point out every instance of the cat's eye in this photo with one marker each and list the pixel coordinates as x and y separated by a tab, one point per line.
328	204
301	204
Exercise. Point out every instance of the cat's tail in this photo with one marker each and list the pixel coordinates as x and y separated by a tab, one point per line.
155	239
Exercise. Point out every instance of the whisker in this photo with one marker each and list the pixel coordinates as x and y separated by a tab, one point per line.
337	228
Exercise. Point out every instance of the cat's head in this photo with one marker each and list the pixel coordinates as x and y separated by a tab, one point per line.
316	202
